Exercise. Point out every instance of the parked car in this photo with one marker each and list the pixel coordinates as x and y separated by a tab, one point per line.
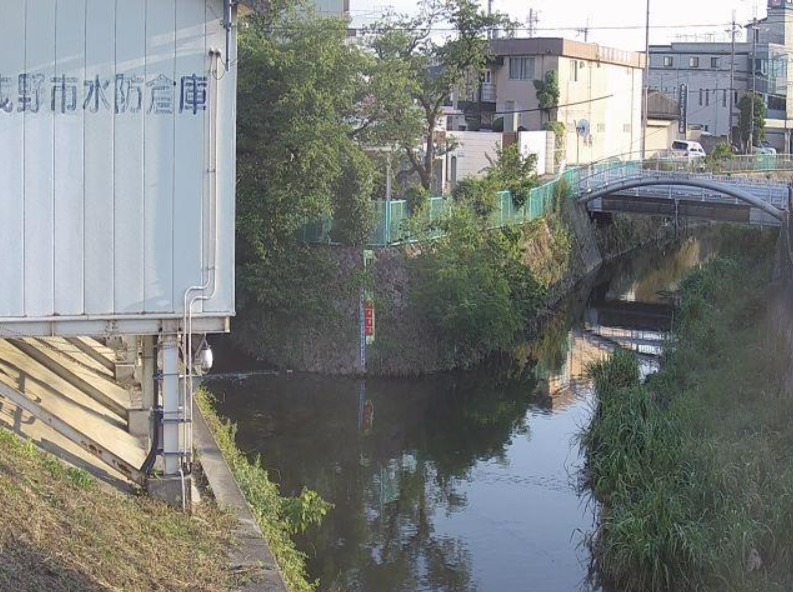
763	148
687	149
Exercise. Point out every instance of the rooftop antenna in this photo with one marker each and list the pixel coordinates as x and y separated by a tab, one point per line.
534	19
584	30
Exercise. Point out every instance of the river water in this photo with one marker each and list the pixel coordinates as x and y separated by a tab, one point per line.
460	482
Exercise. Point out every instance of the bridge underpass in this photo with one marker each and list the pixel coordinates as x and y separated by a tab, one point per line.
639	316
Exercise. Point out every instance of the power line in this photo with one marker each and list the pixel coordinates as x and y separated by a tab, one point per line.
603	98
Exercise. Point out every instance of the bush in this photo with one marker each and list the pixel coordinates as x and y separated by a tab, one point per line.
474	287
480	195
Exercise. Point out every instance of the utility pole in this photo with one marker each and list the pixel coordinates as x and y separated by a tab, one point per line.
732	82
646	85
490	13
754	84
534	18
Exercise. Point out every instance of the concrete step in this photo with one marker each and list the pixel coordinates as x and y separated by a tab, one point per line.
97	386
78	355
99	352
62	397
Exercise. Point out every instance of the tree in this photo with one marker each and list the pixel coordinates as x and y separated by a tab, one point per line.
514	172
416	71
297	158
745	119
548	92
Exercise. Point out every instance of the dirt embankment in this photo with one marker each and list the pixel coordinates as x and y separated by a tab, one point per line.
559	253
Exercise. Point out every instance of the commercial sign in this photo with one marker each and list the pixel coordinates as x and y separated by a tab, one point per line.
682	99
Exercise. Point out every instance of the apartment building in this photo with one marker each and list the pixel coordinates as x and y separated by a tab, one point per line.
600	94
714	76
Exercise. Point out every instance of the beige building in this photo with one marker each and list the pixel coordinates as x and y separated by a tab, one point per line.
600	94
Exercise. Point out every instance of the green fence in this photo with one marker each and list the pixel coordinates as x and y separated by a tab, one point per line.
392	217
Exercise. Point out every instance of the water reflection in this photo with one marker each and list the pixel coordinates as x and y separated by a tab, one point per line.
461	482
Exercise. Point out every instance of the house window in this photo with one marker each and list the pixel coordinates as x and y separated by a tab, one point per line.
521	68
724	98
693	62
707	97
714	62
669	61
700	97
488	77
574	70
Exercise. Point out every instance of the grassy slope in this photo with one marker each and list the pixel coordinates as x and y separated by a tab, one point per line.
273	513
62	531
694	468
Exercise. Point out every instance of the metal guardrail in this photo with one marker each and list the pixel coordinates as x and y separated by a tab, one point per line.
771	192
391	217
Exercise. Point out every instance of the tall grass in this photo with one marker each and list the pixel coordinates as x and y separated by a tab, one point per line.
693	468
278	517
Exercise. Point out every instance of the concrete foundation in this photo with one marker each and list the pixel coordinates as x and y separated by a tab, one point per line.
139	421
175	491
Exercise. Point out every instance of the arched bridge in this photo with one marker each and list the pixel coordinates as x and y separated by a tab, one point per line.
632	188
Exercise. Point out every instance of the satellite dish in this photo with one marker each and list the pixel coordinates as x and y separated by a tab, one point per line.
582	128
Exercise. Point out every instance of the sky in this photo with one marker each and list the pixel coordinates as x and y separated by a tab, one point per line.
616	23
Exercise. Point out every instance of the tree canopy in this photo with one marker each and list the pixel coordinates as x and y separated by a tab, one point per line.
420	61
745	119
300	88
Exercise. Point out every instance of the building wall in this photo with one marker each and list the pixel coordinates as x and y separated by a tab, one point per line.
331	7
660	135
607	95
539	143
609	98
520	95
708	82
471	154
108	203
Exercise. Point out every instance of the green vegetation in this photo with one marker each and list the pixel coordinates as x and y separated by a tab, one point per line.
415	73
278	517
297	158
751	105
548	92
693	467
560	138
63	530
513	172
480	287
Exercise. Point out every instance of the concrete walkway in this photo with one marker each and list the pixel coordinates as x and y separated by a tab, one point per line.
252	557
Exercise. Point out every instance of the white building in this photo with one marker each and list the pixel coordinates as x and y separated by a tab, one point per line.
714	76
600	94
118	200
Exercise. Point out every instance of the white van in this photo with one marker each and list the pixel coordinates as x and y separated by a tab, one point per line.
687	149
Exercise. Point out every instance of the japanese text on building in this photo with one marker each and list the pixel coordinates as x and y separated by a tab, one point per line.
32	92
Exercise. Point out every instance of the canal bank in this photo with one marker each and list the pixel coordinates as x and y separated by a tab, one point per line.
442	304
692	467
463	481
